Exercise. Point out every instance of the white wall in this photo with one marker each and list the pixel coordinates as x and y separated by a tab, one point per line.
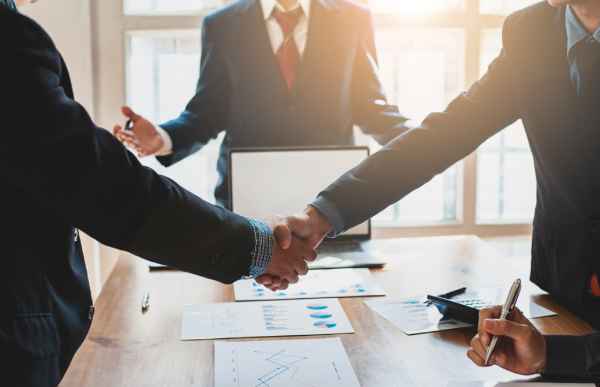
69	23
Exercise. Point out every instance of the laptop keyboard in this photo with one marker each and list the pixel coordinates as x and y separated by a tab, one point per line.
339	248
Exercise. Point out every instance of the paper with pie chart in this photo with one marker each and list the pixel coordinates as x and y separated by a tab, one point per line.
284	363
316	284
264	319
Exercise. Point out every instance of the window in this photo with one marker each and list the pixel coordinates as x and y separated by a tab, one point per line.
429	51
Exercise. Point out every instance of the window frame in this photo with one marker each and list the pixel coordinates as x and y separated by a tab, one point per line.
110	27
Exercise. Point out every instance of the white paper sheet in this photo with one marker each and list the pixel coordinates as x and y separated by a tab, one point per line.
284	363
316	284
264	319
413	316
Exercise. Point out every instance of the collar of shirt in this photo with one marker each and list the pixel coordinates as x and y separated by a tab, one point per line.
576	32
269	5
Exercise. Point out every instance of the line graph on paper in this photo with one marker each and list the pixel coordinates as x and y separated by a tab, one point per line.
286	363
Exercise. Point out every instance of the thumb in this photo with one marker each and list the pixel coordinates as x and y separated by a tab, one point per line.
283	236
505	328
128	112
299	226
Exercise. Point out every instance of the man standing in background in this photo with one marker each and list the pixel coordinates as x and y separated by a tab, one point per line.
277	73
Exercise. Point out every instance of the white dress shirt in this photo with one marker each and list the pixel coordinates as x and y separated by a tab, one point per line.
275	35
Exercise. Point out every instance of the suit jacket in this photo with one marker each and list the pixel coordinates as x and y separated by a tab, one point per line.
241	90
60	172
530	81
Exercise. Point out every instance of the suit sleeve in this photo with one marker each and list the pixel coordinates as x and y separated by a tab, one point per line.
205	115
573	357
78	173
370	108
415	157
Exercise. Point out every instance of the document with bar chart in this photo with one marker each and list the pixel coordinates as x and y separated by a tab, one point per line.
316	284
284	363
264	319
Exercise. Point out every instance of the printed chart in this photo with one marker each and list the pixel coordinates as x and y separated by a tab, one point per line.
316	284
286	363
413	316
264	319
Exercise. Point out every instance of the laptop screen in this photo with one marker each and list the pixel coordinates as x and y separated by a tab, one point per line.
269	182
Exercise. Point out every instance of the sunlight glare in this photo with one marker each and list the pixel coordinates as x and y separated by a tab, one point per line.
413	7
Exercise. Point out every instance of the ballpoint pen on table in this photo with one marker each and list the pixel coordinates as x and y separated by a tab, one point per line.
451	294
146	302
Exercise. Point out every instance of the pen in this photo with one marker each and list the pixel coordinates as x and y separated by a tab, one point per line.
507	308
146	302
128	125
451	294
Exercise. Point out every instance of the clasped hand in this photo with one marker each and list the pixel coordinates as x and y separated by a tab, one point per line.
297	238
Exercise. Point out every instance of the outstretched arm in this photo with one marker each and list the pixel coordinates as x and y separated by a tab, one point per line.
204	117
81	175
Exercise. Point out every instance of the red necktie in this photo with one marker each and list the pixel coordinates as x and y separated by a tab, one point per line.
288	54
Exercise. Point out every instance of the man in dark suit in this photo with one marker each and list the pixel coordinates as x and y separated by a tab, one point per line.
277	73
61	173
548	75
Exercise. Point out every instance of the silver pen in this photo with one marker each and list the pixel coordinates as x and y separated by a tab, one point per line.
507	308
146	302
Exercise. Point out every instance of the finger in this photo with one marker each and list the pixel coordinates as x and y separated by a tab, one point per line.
485	338
478	347
299	226
128	138
309	254
301	267
264	280
275	281
117	129
305	250
475	358
292	278
506	328
499	358
518	317
283	236
284	285
488	313
128	112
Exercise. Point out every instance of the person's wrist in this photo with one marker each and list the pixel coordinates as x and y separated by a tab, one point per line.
319	221
263	248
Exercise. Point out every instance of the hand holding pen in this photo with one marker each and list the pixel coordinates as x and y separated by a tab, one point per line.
522	349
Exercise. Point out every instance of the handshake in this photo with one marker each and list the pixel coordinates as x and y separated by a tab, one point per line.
296	237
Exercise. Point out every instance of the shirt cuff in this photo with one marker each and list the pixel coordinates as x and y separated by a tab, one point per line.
566	356
167	148
263	248
330	211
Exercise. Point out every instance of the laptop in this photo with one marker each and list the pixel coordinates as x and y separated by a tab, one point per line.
264	182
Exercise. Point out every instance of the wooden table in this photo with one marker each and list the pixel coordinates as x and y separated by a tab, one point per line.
128	348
